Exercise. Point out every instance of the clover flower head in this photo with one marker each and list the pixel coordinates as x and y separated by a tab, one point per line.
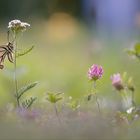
18	26
117	81
95	72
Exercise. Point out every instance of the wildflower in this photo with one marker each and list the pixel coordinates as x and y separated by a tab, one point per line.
18	26
117	81
95	72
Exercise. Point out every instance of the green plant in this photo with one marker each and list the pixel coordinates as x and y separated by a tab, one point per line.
16	27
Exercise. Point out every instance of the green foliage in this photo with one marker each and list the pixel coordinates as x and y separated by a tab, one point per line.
137	48
74	104
136	51
131	52
124	76
28	102
25	51
130	84
128	81
54	97
89	97
26	88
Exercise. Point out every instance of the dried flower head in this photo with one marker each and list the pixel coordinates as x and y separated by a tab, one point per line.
117	81
95	72
18	26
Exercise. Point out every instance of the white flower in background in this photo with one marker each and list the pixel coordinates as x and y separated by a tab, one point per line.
130	110
18	26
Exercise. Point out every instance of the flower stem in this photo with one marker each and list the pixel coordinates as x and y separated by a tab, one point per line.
125	98
56	112
96	98
132	99
15	69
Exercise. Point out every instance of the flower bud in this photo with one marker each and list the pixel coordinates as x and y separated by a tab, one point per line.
117	81
95	72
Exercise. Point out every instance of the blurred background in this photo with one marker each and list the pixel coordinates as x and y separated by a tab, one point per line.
69	36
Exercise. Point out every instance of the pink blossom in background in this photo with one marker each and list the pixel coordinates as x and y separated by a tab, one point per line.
117	81
95	72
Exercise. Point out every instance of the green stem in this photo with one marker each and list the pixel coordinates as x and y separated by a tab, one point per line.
125	99
96	97
15	69
56	112
132	99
